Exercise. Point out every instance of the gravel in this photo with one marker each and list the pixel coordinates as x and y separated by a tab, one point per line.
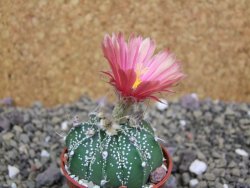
215	134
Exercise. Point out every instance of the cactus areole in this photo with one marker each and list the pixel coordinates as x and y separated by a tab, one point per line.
122	150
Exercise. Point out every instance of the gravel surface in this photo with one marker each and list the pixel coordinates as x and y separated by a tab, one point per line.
208	140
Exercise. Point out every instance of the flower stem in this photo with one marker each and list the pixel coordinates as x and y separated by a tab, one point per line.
121	109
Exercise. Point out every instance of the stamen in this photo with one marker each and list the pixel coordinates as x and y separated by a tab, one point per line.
139	72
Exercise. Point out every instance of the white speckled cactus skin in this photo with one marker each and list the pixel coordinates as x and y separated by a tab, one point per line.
125	158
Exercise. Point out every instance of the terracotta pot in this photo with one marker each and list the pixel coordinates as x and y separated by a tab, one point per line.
74	184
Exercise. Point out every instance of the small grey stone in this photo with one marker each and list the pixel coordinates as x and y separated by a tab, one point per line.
202	184
12	154
245	121
38	164
15	117
221	163
24	138
8	136
232	164
4	124
190	101
220	142
37	104
197	114
18	129
248	181
219	120
56	120
26	118
235	172
187	157
241	185
216	155
171	183
211	183
30	184
229	111
219	172
209	176
49	176
200	155
13	143
65	186
218	185
29	127
32	153
185	178
208	116
38	124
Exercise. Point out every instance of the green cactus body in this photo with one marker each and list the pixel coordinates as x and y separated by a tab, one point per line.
126	158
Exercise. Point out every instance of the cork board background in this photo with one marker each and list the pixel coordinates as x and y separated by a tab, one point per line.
50	50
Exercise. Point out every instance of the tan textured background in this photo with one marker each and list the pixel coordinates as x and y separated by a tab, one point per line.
50	50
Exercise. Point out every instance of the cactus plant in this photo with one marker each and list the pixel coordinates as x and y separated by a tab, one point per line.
121	149
124	158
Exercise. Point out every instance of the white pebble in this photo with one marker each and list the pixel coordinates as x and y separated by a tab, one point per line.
44	153
241	152
194	95
47	139
13	171
163	105
13	185
193	182
183	123
96	186
225	186
64	126
198	167
143	164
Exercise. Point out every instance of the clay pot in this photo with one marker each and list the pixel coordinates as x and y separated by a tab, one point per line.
74	184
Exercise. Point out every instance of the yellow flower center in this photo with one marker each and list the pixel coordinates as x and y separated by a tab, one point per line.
137	82
139	72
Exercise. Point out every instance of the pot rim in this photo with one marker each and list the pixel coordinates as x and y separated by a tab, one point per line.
166	155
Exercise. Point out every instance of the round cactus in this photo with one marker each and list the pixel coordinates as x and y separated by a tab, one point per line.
112	156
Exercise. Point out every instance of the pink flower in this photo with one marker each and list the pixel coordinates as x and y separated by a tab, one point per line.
137	73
